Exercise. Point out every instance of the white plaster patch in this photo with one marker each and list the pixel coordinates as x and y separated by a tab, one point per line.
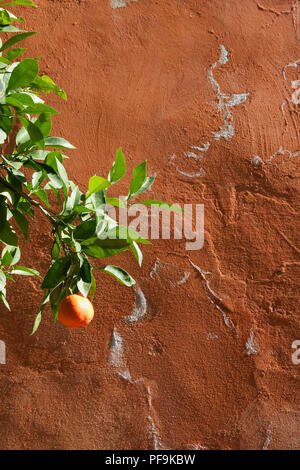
281	151
252	346
117	359
140	308
291	64
225	102
194	156
268	438
120	3
212	336
257	160
295	84
170	273
2	353
116	350
198	174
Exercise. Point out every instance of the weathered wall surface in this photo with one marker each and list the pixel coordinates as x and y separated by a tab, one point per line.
208	363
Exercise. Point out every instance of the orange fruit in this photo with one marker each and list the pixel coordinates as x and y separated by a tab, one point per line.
75	311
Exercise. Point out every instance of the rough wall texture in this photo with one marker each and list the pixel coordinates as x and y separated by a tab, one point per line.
208	363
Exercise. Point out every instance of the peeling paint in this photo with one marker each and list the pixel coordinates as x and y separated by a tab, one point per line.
204	275
199	447
268	438
252	345
198	174
157	443
212	296
291	64
224	105
281	151
212	336
225	102
194	156
226	319
116	360
204	147
162	272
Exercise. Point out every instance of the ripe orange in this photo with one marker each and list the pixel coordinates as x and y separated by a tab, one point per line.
75	311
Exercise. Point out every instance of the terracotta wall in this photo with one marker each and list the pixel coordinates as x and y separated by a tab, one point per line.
209	362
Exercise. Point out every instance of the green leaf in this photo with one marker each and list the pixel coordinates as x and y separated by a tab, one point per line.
39	315
121	232
120	274
64	177
3	210
56	248
37	322
38	108
37	178
2	281
93	287
23	98
162	205
52	157
12	54
84	287
85	230
115	201
47	85
15	103
137	252
3	298
20	2
33	131
149	180
5	18
10	29
17	38
56	273
41	193
22	223
8	235
3	137
72	201
118	169
6	119
3	63
10	255
23	74
98	201
97	183
138	178
57	142
43	123
82	210
101	252
56	296
24	271
86	271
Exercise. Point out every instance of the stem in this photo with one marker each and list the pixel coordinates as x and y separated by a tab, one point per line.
69	278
